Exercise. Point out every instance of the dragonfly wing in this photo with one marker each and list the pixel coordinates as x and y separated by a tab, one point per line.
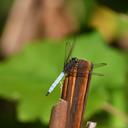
68	49
99	65
97	74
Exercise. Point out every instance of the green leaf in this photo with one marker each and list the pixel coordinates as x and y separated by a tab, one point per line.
27	76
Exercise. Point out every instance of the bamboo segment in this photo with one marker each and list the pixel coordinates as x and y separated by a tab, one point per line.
74	93
58	115
71	85
80	94
65	84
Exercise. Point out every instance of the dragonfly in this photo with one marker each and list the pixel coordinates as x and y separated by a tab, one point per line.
69	63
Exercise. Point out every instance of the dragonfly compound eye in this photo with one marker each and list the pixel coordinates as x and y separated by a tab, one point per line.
75	60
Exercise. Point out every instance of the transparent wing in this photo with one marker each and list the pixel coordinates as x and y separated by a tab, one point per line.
99	65
68	49
97	74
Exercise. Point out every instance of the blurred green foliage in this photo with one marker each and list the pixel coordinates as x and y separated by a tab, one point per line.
26	76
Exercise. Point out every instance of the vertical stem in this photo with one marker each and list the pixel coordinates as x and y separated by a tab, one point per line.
80	94
65	84
74	93
59	115
71	85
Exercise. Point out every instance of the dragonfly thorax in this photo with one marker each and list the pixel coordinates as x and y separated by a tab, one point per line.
70	64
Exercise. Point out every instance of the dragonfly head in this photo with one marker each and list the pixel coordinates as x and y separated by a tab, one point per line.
74	59
70	64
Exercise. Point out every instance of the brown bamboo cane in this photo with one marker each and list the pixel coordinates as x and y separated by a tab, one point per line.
74	93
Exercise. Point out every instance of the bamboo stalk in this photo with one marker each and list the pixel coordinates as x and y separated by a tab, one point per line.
80	94
74	93
59	114
65	84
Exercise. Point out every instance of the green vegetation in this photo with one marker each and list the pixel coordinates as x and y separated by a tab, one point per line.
26	76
